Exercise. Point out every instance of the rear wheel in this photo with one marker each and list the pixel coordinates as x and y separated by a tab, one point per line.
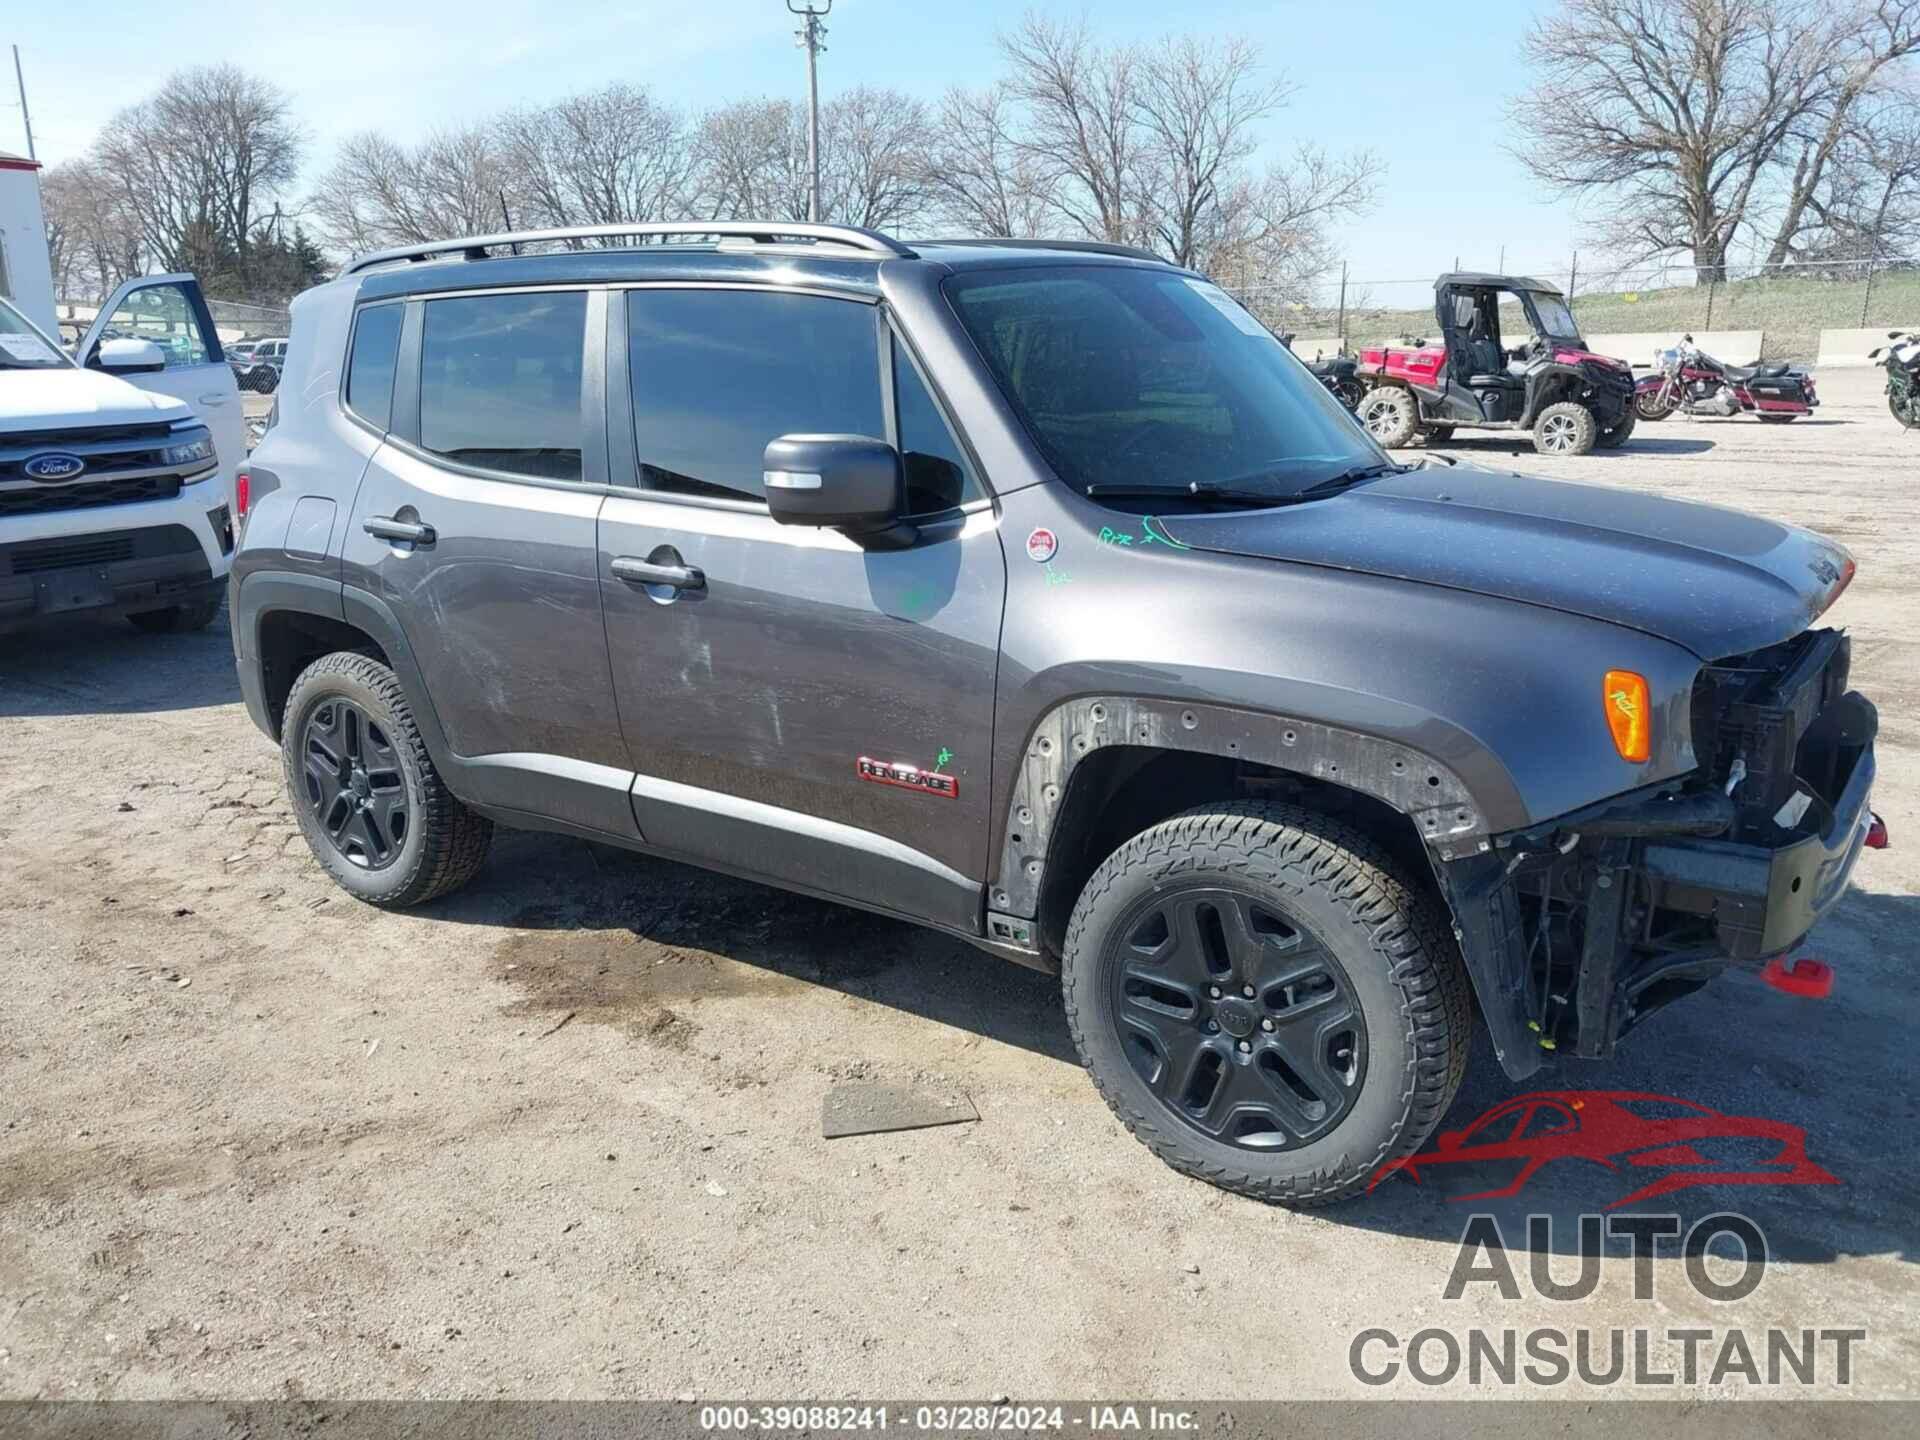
1613	436
1390	415
1265	1001
1906	409
1437	434
373	808
1566	428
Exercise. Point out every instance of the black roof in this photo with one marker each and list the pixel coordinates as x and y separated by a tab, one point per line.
1473	278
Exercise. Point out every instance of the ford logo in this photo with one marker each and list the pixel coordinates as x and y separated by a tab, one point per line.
54	466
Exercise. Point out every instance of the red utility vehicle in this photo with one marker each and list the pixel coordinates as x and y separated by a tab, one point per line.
1551	383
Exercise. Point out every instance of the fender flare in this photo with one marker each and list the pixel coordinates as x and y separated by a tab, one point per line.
1425	789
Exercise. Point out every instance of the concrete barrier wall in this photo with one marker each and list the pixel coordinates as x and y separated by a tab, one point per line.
1731	347
1850	347
1308	346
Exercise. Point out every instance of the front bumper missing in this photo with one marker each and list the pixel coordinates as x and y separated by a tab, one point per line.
1576	930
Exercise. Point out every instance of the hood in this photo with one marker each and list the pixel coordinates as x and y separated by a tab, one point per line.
1719	582
55	399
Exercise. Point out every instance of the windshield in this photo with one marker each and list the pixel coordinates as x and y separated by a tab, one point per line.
1556	320
1130	377
23	346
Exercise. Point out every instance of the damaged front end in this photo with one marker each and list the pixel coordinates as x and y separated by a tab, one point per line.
1578	928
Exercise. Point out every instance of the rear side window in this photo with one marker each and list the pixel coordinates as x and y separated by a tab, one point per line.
500	381
716	374
370	365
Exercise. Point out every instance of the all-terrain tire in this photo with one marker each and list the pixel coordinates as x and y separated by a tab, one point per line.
445	843
1389	939
1565	428
1391	416
1616	435
178	619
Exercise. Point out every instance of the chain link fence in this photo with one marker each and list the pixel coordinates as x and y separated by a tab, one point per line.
1789	306
234	320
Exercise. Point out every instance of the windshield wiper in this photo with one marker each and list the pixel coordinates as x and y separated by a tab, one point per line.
1346	479
1205	492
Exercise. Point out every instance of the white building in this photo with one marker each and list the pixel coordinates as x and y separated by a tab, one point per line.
26	272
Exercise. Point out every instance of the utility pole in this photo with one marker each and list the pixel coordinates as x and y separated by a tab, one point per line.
809	36
26	119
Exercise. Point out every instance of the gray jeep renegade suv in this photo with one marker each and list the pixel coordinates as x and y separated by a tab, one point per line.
1034	592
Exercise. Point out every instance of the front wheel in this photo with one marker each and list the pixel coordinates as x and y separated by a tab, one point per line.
1266	1001
1613	436
370	802
1567	428
1350	393
1652	404
1905	408
1391	416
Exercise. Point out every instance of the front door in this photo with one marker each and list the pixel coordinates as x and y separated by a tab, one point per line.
170	311
797	707
474	524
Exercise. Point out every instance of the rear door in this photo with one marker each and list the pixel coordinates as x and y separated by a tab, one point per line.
809	711
474	524
170	311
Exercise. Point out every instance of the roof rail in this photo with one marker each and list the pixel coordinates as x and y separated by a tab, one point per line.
1090	247
765	232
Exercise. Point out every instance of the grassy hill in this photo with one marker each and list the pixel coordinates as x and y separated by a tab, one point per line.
1791	311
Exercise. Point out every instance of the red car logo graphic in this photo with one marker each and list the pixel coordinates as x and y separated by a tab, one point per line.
1674	1142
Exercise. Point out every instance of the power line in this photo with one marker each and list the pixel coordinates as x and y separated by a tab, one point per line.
809	36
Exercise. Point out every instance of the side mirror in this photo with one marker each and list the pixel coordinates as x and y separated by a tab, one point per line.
129	357
1686	339
850	483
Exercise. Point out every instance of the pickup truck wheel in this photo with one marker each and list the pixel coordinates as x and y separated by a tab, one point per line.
1567	428
373	808
1390	416
178	619
1265	1002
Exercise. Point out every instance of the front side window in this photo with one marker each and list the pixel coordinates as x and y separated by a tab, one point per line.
500	381
166	316
716	374
1129	377
370	365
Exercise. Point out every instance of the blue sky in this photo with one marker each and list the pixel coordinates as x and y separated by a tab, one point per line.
1397	76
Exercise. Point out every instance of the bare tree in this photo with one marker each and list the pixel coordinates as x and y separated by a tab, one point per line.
201	165
603	158
1272	231
978	179
1867	211
93	238
379	193
1080	132
1863	44
1680	112
752	157
1197	103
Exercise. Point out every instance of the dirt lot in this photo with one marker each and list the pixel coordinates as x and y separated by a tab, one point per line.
560	1135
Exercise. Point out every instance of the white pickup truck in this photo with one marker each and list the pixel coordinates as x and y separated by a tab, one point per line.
117	471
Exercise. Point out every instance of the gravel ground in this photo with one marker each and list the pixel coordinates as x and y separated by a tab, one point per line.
560	1135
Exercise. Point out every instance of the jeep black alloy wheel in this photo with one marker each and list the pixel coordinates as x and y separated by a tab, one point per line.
373	808
1265	1002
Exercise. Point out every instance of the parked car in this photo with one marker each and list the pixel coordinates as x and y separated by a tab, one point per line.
1550	383
257	364
116	475
1034	592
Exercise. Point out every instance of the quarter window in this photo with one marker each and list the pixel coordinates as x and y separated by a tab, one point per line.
500	381
936	471
716	374
376	343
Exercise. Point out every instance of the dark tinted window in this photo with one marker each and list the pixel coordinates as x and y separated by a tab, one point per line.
1145	377
500	382
376	343
937	476
716	374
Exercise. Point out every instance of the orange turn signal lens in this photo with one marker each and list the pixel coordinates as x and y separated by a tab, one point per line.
1625	697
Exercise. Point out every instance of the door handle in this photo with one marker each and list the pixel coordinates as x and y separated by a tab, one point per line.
645	572
388	528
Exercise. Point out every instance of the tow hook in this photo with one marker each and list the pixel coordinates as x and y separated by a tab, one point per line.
1806	977
1877	834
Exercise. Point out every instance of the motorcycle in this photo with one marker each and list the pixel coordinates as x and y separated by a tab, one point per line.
1901	361
1338	374
1694	383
